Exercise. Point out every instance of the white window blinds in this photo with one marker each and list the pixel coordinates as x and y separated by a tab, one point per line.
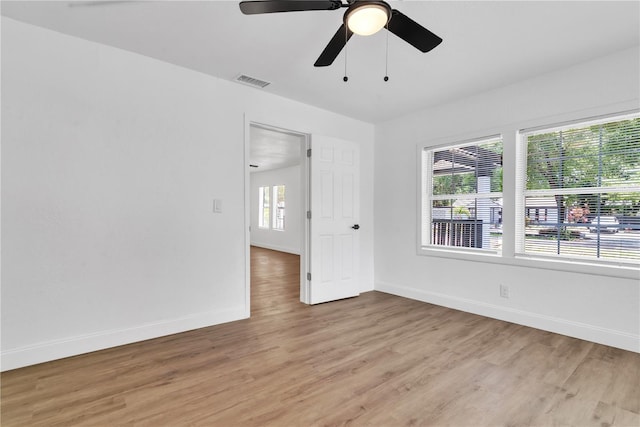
580	191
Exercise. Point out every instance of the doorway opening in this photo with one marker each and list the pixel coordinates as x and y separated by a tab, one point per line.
277	201
275	281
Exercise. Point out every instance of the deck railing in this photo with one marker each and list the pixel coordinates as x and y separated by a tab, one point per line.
457	232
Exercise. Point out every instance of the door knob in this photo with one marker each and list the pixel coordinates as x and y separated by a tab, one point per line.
355	227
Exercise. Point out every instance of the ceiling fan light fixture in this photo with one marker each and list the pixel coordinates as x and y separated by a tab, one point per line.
367	18
363	17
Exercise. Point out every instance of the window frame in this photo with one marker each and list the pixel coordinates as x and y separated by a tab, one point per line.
272	192
522	192
511	181
426	187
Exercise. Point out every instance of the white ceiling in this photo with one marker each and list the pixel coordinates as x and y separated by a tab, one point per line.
274	149
487	44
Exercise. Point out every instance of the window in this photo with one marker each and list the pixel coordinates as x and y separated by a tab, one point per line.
263	207
278	199
579	193
572	197
267	217
462	196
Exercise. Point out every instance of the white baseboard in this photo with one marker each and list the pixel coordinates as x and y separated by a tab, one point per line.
610	337
72	346
277	248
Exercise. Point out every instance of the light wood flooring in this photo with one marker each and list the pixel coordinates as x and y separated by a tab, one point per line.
375	360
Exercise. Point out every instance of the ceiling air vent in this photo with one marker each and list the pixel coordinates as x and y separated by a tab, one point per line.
251	81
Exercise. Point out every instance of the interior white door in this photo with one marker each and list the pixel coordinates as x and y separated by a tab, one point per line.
335	209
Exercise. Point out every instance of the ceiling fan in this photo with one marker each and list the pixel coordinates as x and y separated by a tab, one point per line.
363	17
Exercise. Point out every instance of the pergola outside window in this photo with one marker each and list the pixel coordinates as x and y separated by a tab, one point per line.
462	203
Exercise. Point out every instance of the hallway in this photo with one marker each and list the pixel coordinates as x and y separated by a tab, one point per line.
275	282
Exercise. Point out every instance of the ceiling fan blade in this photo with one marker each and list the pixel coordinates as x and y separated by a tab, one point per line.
272	6
337	42
412	32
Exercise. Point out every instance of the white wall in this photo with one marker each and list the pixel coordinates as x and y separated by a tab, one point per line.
110	163
289	239
593	307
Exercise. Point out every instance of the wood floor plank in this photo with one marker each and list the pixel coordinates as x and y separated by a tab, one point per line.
376	360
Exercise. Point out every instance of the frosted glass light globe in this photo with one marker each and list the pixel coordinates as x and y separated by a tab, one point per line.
368	19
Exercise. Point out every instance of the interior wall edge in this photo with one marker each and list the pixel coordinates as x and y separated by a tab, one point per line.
72	346
596	334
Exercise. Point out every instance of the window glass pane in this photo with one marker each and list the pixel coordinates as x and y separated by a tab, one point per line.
582	196
456	170
470	223
602	226
454	183
463	196
279	205
263	207
604	155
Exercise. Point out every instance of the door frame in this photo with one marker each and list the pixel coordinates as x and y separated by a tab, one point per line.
305	206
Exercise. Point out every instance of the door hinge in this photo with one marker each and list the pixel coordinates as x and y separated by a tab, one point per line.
308	152
308	276
308	214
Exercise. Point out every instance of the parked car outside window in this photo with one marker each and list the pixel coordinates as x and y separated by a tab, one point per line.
604	223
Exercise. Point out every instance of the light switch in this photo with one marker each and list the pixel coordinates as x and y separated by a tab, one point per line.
217	206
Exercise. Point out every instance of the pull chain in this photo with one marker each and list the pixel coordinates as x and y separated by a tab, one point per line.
346	39
386	59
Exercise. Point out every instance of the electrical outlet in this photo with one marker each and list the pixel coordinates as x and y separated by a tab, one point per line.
504	291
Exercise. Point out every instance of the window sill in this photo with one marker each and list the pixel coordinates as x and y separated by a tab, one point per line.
626	271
